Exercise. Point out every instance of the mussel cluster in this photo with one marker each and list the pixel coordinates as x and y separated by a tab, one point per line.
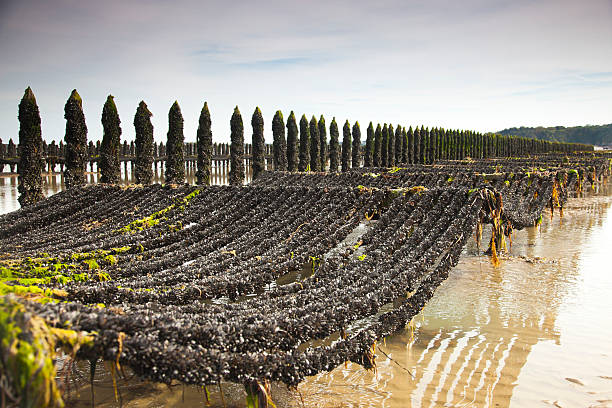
282	279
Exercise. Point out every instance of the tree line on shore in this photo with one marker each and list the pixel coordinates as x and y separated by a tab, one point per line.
303	148
592	134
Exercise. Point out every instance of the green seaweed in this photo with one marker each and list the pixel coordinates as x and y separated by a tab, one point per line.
91	264
32	292
158	216
110	259
47	270
27	352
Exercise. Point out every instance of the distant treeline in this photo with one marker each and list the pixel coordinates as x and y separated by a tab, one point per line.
600	135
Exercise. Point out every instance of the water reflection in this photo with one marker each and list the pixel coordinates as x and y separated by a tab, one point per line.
54	182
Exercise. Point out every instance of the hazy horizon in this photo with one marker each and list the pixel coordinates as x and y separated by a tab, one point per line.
476	65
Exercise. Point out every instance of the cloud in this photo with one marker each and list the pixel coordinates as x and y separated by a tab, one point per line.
565	83
276	63
599	77
475	64
211	51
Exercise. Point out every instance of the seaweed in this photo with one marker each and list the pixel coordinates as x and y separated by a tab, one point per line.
27	351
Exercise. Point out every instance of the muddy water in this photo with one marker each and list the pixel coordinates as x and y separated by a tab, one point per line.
534	332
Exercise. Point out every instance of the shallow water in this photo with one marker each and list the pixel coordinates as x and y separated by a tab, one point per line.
534	332
54	182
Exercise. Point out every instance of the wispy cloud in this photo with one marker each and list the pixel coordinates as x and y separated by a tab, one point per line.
560	84
600	77
483	64
211	50
275	63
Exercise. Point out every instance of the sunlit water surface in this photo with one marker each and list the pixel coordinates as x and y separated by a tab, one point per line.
534	332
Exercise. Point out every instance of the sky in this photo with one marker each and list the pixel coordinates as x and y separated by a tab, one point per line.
482	65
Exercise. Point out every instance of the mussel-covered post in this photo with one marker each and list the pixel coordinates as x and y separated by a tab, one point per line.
323	146
204	146
31	163
390	146
144	144
410	141
76	141
442	144
91	153
384	158
398	145
404	146
259	144
424	144
417	145
175	163
485	146
304	162
279	143
369	147
11	149
472	146
334	146
292	135
110	168
346	146
356	149
236	173
431	154
377	158
455	141
315	140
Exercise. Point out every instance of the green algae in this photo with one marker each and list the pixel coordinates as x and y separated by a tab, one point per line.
27	352
158	216
17	274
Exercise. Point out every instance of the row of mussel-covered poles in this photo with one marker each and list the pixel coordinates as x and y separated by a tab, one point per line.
53	155
302	146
